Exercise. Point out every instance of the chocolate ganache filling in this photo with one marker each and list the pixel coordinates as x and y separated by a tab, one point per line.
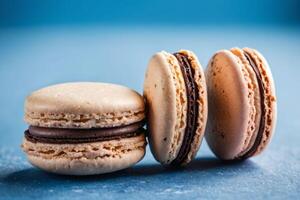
72	136
192	107
261	129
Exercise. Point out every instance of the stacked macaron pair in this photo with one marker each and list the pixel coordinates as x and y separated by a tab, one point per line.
94	128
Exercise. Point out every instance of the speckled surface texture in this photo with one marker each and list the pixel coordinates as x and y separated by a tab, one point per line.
34	58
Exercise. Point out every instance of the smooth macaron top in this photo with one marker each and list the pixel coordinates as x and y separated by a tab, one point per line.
242	103
84	105
165	91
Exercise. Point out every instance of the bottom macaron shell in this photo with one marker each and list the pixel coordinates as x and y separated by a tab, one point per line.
86	158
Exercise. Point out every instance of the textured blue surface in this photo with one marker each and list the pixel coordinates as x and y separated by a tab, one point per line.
36	57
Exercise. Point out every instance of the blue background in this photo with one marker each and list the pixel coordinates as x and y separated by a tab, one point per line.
48	42
136	12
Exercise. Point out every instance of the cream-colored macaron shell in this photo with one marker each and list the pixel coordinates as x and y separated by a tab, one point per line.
270	97
165	94
235	103
86	158
84	105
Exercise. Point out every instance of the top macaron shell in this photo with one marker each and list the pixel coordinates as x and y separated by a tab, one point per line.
84	105
165	92
235	100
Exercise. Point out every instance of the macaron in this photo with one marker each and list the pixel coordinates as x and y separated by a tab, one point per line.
242	103
84	128
176	98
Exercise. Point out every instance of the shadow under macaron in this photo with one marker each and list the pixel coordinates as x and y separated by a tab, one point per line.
33	177
33	183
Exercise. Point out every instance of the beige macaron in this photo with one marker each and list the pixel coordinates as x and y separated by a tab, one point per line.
242	103
84	128
175	93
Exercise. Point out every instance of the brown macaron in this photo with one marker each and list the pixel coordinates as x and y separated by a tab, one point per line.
242	103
